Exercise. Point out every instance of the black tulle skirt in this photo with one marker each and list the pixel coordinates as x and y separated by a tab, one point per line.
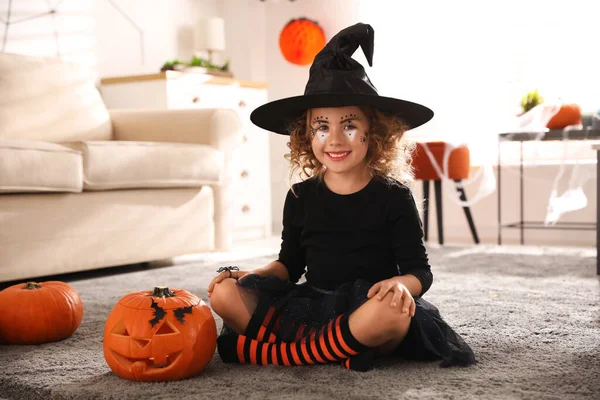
287	312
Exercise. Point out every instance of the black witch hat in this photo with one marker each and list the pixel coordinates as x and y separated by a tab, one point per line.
337	80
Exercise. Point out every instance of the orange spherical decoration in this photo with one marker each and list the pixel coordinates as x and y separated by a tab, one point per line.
301	40
159	335
34	313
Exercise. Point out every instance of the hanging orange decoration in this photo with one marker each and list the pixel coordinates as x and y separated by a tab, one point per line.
301	40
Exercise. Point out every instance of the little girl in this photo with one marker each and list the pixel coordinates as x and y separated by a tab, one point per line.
352	227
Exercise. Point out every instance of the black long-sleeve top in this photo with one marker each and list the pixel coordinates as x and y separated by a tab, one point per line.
373	234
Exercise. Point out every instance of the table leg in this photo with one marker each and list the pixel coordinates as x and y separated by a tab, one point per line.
499	194
521	193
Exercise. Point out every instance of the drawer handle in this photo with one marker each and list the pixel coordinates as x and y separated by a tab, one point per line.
242	104
245	209
244	174
196	100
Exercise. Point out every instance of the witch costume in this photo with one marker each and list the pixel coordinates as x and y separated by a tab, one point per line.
344	244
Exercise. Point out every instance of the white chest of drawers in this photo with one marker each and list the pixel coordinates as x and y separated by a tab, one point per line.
176	90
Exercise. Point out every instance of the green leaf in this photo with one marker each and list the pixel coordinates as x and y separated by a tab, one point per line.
530	100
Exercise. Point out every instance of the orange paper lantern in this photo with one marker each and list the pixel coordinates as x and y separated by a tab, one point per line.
301	40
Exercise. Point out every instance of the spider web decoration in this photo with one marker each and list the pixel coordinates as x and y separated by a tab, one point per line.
135	26
8	22
52	11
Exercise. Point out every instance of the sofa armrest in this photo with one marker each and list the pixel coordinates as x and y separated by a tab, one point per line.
219	128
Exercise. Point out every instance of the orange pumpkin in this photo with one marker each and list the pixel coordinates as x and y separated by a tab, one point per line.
34	313
569	114
459	162
301	40
159	335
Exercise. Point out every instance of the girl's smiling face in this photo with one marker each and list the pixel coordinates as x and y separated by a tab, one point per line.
339	138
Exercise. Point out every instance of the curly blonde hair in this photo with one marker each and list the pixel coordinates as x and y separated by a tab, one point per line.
386	156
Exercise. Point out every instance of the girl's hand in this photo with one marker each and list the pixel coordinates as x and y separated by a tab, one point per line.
237	275
402	298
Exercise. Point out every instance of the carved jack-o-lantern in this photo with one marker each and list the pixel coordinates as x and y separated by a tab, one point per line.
159	335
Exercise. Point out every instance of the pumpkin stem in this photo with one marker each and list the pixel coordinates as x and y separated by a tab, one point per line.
32	286
162	291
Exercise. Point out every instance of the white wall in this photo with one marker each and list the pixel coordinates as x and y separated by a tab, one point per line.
245	40
166	28
472	61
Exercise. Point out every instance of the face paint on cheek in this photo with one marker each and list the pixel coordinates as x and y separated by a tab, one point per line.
363	139
322	136
351	134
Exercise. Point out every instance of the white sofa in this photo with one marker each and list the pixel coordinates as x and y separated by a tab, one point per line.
82	187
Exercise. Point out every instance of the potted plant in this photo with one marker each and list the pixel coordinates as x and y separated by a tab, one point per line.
530	100
198	65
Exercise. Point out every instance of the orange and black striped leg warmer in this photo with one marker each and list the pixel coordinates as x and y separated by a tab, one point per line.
268	330
333	342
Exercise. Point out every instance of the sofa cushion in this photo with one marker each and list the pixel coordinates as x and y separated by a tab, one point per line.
49	100
125	164
32	166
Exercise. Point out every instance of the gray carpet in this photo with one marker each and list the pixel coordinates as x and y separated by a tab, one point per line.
532	316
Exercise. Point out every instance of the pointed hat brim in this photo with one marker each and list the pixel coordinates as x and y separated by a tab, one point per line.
277	115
